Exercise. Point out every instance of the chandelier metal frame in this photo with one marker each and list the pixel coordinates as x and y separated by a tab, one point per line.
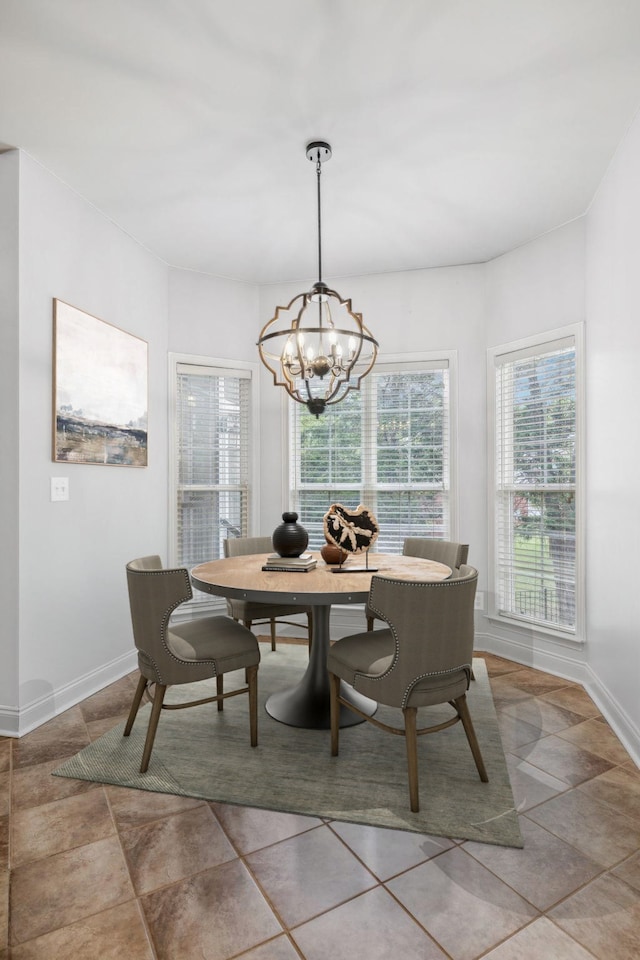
325	349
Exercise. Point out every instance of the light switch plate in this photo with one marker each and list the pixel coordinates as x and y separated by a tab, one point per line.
59	488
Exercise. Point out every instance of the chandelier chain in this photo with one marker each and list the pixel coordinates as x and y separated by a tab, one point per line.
317	359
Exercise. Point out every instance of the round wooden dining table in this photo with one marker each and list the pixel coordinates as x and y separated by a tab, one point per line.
307	703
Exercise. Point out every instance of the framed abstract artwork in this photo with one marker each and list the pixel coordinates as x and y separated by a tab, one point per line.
100	391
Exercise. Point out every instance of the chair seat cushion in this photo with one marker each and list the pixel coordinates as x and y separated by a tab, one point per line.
219	639
370	653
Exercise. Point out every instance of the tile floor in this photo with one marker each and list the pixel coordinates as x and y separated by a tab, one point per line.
90	871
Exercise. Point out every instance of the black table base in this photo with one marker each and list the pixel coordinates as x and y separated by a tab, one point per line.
307	704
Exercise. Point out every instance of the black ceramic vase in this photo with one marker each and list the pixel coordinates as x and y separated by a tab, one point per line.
290	539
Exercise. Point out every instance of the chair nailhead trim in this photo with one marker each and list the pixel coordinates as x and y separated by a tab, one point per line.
413	583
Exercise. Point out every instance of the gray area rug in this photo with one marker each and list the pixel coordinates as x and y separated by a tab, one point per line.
203	753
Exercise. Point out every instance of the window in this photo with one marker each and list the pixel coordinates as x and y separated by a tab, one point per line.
212	460
537	411
386	446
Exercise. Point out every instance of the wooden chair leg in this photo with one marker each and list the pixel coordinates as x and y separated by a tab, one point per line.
310	628
465	716
220	690
410	723
334	688
158	697
272	624
370	623
252	683
135	706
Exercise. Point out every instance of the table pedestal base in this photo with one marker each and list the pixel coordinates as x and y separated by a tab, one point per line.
308	703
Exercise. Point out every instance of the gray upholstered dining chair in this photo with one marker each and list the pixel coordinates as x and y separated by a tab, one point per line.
421	658
249	613
195	650
442	551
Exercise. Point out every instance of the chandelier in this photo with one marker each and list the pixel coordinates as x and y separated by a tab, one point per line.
317	347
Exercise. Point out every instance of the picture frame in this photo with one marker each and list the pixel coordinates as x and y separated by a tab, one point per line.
100	391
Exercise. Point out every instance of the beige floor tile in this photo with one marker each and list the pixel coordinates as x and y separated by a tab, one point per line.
110	702
497	666
536	682
598	831
4	843
372	925
530	784
505	693
62	737
389	852
540	713
620	788
35	785
168	850
308	874
5	795
629	871
604	917
278	949
114	934
98	728
541	940
216	914
132	808
4	908
67	887
461	904
575	699
563	760
544	872
251	829
598	738
516	733
39	832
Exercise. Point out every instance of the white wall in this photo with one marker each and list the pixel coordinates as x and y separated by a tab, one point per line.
537	287
613	426
212	317
75	632
9	478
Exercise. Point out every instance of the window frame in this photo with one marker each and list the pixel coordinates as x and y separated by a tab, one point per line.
536	345
397	363
217	367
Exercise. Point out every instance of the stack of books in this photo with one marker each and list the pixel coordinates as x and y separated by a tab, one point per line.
290	564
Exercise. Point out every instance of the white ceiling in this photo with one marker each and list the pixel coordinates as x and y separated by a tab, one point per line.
460	128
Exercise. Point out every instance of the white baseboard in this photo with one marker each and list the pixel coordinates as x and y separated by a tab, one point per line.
14	723
622	725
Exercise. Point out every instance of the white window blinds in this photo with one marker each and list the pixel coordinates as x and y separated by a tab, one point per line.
535	489
386	446
212	451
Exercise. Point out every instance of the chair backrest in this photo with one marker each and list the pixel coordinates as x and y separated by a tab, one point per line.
442	551
154	593
242	546
433	628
